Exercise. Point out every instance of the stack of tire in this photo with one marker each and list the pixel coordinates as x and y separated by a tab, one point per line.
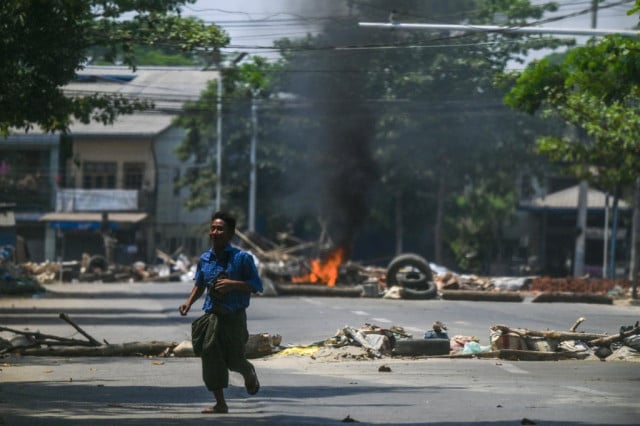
412	272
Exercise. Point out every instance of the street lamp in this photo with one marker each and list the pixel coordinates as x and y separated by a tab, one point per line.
219	65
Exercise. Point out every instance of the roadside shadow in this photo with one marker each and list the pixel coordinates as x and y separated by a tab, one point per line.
101	403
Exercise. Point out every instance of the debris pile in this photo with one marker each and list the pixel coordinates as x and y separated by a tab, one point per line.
292	266
35	343
533	345
453	281
611	287
176	267
372	342
367	342
15	280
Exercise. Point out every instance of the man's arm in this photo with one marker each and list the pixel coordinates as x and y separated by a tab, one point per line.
225	285
195	294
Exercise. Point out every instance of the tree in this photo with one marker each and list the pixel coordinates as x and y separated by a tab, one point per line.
242	84
428	117
44	42
596	89
386	125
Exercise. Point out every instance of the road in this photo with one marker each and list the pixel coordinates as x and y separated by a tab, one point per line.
301	390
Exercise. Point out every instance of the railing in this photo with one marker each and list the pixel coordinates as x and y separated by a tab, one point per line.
39	199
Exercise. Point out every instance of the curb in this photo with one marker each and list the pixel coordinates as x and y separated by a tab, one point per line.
481	295
572	298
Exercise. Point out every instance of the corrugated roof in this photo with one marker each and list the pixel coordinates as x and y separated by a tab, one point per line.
568	199
170	85
167	87
142	124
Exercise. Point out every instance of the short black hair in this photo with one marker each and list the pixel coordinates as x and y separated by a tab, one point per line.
228	219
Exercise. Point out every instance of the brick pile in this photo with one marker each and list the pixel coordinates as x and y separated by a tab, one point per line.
579	285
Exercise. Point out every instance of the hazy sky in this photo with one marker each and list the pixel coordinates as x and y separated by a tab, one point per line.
254	24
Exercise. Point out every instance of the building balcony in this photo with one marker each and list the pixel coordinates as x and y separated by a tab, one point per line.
39	199
100	200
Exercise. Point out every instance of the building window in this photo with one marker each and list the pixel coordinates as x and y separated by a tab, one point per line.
133	175
98	175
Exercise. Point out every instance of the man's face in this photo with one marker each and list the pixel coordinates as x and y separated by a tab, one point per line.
219	233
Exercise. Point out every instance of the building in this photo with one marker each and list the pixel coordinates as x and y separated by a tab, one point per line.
549	237
108	189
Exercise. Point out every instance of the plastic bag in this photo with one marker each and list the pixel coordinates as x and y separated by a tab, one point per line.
475	348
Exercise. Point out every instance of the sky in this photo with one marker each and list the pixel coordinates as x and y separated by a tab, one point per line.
254	24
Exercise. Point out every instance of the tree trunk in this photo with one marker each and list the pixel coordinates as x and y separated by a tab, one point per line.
437	234
634	267
551	334
125	349
399	225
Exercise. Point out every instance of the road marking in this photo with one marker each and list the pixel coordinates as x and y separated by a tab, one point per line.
363	313
587	390
384	320
513	369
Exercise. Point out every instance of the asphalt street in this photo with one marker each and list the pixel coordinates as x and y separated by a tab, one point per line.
295	389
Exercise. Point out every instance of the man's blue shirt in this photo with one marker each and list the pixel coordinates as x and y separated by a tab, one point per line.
432	334
238	265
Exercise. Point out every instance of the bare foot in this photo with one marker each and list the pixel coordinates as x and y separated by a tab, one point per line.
252	384
216	409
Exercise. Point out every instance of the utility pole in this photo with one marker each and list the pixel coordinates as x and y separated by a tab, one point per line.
219	142
578	258
580	246
634	267
252	163
220	66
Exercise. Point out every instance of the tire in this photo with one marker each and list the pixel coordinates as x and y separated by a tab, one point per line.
422	347
409	270
413	279
428	292
97	262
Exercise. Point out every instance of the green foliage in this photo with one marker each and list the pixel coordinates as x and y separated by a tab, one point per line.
145	55
43	43
596	89
477	218
380	119
436	116
241	85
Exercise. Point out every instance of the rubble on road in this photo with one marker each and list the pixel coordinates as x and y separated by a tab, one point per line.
14	280
15	277
365	343
35	343
291	266
373	342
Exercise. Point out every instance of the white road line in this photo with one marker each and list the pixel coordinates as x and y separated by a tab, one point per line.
363	313
513	369
384	320
585	389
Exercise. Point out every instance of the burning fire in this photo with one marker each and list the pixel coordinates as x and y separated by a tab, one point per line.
324	272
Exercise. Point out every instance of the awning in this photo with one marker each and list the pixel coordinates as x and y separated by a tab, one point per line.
89	220
567	200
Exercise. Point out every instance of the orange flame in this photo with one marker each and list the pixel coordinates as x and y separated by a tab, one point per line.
324	272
